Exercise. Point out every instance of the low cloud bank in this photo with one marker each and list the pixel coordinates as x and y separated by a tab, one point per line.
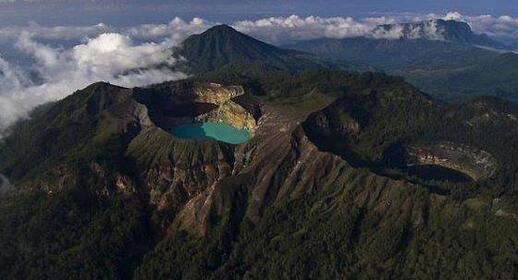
129	57
176	30
272	29
58	72
287	29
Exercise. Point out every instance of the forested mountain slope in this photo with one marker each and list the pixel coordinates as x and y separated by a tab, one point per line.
223	47
330	185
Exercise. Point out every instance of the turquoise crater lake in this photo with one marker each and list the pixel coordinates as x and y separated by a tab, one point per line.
211	130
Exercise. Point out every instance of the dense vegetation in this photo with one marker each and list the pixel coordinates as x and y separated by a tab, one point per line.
73	234
448	70
222	46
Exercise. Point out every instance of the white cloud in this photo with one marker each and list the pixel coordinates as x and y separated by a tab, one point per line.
109	57
272	29
287	29
283	29
503	26
55	32
293	28
113	53
124	56
177	29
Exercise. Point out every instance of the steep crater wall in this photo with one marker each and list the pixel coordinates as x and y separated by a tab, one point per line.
188	102
345	129
475	163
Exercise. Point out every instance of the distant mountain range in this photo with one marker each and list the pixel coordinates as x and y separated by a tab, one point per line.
444	58
438	29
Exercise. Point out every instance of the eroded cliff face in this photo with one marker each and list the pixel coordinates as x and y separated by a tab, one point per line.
201	102
231	113
477	164
215	93
180	176
226	109
174	170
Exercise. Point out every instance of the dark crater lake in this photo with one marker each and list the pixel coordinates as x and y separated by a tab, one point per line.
439	173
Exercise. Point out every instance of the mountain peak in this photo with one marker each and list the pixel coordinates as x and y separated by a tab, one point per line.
222	46
221	28
438	29
221	31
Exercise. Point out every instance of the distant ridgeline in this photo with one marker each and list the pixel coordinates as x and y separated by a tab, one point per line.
438	29
344	175
443	58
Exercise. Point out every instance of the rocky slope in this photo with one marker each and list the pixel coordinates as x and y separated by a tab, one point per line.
227	111
476	163
199	102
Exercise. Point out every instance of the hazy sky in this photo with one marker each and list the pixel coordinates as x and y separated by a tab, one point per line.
130	12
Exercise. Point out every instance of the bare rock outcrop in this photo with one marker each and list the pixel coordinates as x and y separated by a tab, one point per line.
477	164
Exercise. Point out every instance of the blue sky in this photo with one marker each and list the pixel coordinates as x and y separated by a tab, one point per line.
130	12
